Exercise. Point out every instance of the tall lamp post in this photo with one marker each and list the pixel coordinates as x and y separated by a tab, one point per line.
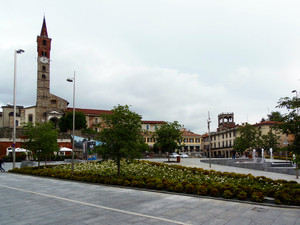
209	141
19	51
297	169
73	141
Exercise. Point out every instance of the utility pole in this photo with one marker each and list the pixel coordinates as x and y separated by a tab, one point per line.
209	141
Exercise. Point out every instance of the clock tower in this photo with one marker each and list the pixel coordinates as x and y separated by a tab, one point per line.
43	74
49	107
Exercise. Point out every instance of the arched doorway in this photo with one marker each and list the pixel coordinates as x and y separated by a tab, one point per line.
54	120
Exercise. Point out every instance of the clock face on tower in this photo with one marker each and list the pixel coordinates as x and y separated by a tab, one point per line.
44	59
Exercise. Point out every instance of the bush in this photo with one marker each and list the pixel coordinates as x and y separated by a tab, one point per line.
189	188
242	195
227	194
178	188
188	180
257	196
201	190
214	192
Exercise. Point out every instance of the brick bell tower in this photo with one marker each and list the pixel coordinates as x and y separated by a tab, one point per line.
43	74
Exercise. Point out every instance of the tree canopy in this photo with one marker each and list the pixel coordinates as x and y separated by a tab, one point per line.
168	137
276	116
291	124
250	137
41	139
66	122
247	138
121	135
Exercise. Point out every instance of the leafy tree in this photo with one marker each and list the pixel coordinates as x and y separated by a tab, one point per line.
276	116
121	135
247	138
291	124
168	137
41	139
270	140
66	122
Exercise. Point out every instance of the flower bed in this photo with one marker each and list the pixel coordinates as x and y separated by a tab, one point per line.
175	178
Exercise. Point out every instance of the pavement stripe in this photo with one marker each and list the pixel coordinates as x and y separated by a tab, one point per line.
97	206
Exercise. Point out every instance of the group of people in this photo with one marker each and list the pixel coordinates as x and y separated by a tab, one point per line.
1	168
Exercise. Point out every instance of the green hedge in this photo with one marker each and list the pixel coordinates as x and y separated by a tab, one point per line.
284	192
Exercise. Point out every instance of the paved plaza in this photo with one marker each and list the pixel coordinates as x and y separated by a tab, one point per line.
37	200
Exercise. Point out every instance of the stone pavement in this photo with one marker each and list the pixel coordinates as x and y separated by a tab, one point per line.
37	200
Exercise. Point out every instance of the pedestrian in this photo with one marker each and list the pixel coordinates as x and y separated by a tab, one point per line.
1	169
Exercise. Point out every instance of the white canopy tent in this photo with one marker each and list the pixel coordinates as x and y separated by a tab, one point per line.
63	150
10	150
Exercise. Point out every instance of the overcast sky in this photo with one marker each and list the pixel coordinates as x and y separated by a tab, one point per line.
169	59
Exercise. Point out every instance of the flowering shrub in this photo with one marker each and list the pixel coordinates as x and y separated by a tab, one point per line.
144	174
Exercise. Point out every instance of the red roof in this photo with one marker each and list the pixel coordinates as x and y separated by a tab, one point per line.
189	133
153	122
90	111
266	123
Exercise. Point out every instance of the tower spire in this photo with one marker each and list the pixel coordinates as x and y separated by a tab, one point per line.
44	32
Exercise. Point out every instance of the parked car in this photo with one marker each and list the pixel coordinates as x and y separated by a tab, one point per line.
174	155
200	155
183	155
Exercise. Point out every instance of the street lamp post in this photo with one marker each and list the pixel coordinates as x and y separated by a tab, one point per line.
297	169
209	141
73	141
19	51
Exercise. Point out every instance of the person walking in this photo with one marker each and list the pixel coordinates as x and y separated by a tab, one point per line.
1	169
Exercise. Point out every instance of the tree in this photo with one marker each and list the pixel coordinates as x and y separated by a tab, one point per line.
41	139
270	140
168	137
121	135
276	116
291	125
247	138
66	122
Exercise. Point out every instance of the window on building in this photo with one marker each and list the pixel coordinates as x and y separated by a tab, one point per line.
226	135
44	68
148	139
230	134
214	145
226	143
214	137
223	136
43	76
147	126
197	140
17	123
44	42
96	120
155	127
185	140
53	101
230	143
223	144
44	53
30	118
191	140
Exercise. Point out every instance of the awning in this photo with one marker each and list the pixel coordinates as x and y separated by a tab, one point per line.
8	150
65	149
